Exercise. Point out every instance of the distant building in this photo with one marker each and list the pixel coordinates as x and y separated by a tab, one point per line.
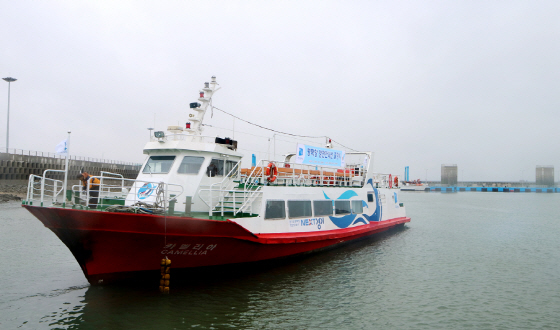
545	175
449	175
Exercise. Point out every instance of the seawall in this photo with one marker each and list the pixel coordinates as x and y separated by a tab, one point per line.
15	169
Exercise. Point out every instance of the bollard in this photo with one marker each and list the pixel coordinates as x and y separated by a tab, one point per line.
188	203
171	208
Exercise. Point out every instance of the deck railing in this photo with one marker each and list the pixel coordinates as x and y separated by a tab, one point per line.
224	197
114	193
295	174
45	190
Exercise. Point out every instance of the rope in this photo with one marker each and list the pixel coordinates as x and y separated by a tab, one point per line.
270	129
280	132
138	207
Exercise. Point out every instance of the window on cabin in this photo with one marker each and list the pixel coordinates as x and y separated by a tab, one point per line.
323	208
299	209
370	197
158	164
190	165
342	207
216	168
357	207
230	164
275	209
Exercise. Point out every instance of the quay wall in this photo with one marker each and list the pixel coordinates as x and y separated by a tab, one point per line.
15	169
495	189
496	186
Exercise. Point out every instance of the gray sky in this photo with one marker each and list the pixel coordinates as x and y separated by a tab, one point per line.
420	83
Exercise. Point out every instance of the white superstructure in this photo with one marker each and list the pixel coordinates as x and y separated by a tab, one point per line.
271	197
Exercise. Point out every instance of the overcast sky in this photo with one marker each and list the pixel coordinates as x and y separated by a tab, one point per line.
420	83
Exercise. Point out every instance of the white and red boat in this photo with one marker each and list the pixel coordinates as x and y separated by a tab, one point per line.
415	185
193	203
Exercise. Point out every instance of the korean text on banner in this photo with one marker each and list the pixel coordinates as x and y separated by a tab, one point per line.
320	156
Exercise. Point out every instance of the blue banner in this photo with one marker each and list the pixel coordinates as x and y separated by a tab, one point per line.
320	156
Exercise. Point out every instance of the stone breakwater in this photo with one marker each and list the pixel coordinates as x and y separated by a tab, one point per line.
16	169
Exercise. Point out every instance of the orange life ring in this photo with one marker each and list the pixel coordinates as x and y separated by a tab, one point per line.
272	172
390	181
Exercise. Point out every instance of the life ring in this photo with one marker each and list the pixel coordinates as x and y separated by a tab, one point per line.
396	182
390	181
272	172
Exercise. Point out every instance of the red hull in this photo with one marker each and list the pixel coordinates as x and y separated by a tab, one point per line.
109	245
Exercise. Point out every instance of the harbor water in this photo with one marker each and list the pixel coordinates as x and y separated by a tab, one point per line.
467	260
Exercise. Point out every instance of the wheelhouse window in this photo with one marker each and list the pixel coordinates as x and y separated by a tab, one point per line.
190	165
275	209
158	164
323	208
341	207
299	209
216	168
357	207
230	164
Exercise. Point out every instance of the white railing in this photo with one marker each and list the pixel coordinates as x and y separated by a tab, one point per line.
112	184
382	180
222	195
218	191
294	174
114	193
117	194
185	137
45	190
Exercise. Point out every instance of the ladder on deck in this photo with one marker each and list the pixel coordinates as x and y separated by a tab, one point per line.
237	201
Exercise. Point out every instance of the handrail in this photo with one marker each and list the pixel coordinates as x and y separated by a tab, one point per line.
227	178
104	173
185	137
249	188
50	189
47	185
304	174
166	196
55	185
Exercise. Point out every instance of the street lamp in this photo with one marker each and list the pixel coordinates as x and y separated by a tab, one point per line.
9	80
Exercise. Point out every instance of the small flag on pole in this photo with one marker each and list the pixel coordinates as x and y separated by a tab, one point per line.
62	147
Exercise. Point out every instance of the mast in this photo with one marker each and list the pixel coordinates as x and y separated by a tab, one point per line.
205	99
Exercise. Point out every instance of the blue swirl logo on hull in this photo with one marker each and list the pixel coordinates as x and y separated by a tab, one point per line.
346	221
146	190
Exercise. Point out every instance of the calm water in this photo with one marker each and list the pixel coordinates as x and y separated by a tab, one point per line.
467	260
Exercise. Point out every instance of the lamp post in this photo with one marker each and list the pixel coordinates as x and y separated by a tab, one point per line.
9	80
